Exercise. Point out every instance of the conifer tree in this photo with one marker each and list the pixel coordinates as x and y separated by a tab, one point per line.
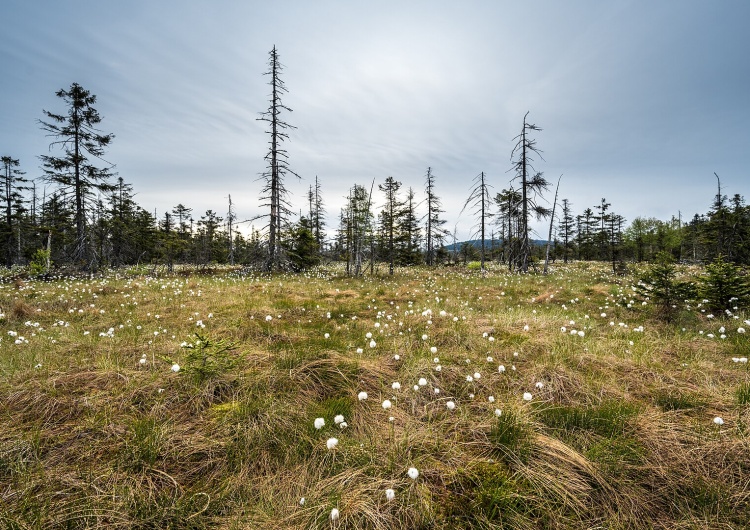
356	228
479	199
274	191
82	143
11	198
602	236
508	217
434	232
389	217
724	287
566	228
316	212
532	185
409	237
586	230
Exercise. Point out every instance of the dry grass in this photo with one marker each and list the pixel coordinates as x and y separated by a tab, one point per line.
618	434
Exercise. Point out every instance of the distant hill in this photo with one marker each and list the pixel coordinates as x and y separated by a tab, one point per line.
477	243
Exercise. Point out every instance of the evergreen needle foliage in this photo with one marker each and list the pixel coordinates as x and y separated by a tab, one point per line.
660	284
209	358
724	286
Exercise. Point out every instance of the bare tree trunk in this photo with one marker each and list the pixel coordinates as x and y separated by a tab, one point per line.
551	222
483	214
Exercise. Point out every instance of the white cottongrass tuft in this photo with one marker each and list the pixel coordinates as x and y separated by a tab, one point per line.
319	423
413	473
451	405
175	367
539	385
527	396
334	514
390	494
338	418
362	396
387	404
302	501
422	381
433	350
373	344
498	412
396	385
718	420
501	369
332	443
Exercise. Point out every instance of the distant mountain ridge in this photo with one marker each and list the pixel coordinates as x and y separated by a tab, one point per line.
477	243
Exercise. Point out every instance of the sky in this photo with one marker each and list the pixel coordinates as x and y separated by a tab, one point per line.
638	102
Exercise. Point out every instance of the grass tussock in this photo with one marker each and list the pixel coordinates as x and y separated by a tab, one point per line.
189	401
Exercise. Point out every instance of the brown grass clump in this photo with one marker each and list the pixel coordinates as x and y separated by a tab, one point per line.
21	310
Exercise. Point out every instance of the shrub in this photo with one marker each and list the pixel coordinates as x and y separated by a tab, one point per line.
661	286
724	286
209	358
40	262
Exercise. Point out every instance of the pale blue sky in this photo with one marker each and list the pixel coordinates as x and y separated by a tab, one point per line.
639	101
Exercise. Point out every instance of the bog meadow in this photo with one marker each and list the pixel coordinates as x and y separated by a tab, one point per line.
433	398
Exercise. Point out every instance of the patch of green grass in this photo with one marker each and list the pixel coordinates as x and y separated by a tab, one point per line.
18	455
617	455
610	418
510	434
486	494
330	408
706	498
673	399
743	394
144	444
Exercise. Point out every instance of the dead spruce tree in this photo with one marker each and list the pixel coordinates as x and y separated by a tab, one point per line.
479	199
532	185
274	193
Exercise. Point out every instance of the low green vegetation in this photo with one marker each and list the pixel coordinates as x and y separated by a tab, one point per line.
433	398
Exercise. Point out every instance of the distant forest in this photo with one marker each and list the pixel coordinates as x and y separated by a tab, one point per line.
87	217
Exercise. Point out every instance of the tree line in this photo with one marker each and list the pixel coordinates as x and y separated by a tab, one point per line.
86	215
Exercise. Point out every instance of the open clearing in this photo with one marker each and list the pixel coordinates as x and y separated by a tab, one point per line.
521	401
